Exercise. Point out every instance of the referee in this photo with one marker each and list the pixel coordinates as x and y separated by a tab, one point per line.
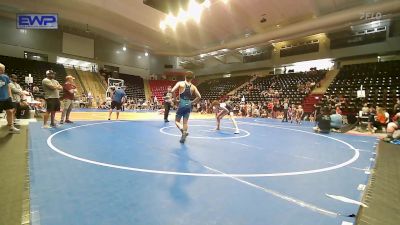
167	103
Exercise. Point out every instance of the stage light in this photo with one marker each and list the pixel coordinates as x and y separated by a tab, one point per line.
207	3
183	16
163	26
171	21
195	10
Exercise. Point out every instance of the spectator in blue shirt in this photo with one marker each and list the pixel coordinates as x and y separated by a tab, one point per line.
336	120
5	99
117	99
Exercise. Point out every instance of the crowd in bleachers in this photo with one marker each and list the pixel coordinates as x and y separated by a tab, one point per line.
158	89
134	86
381	84
275	95
218	88
380	81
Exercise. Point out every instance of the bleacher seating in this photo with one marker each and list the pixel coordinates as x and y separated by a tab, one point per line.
23	67
217	88
381	82
159	87
134	86
285	84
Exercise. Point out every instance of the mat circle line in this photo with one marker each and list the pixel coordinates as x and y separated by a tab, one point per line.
206	137
353	159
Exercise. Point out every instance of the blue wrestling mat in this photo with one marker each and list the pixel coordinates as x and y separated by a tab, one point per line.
137	172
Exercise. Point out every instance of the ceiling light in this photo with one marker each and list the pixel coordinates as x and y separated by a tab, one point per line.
183	16
124	48
139	57
225	1
171	21
163	26
146	54
207	3
195	10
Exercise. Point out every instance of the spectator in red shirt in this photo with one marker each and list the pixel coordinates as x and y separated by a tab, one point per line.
69	90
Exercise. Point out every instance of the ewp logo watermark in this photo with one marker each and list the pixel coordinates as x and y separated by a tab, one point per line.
37	21
371	16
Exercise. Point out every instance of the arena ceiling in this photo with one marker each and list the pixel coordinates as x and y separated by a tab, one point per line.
226	24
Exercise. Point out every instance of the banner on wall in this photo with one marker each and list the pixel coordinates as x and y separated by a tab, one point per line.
37	21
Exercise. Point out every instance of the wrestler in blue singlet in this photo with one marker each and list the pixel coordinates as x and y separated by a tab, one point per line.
185	104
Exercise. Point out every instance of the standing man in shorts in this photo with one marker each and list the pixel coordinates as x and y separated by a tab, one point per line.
186	89
51	89
117	99
69	90
5	99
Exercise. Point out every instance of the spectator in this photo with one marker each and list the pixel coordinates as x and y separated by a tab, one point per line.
378	119
167	103
90	99
118	98
336	120
338	110
69	90
323	122
285	110
98	101
392	127
35	91
17	97
5	100
51	89
396	107
365	109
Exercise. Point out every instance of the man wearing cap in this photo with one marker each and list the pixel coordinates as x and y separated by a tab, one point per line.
69	90
51	89
5	99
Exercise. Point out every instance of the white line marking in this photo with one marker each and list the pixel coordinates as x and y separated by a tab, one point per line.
279	195
283	124
346	223
246	145
354	158
293	155
346	200
363	150
361	187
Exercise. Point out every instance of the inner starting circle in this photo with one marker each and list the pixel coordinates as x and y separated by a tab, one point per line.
243	133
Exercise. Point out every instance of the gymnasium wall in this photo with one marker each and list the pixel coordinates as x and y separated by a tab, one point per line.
390	45
77	45
14	42
157	63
